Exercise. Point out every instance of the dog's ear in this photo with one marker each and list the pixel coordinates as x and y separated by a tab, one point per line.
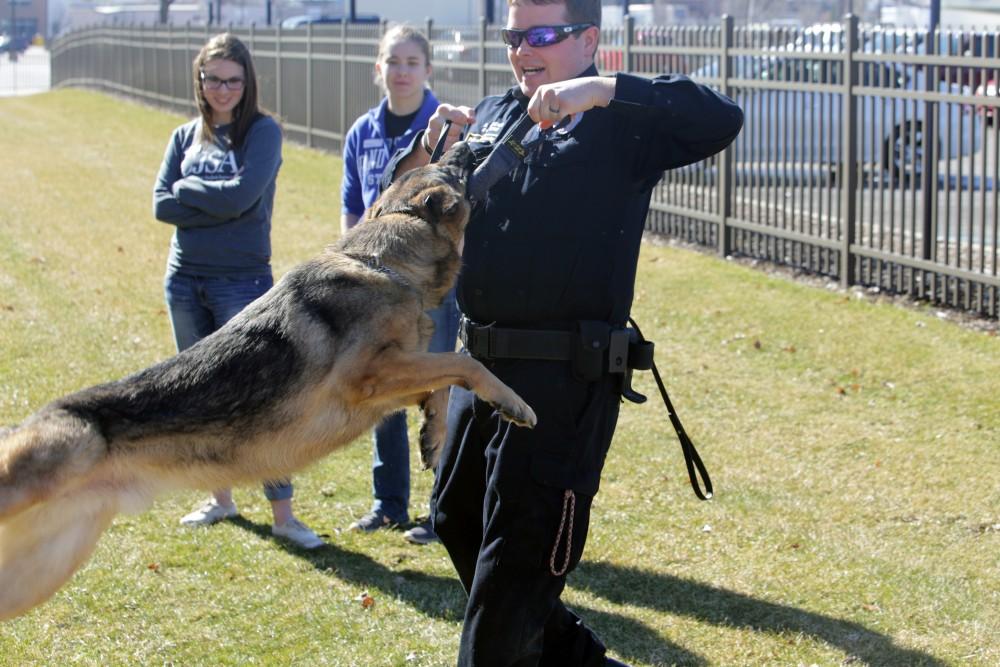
442	203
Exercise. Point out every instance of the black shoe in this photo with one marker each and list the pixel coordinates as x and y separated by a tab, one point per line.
422	533
611	662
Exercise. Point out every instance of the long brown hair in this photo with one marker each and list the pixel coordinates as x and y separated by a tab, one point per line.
226	46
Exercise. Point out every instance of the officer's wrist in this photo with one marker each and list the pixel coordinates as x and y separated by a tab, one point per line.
426	144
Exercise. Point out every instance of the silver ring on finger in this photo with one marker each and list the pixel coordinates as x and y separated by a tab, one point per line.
555	111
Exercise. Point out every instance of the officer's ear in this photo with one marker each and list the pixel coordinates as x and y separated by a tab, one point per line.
591	36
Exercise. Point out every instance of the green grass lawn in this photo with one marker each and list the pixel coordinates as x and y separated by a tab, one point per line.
855	450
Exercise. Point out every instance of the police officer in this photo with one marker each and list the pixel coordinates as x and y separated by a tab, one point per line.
547	279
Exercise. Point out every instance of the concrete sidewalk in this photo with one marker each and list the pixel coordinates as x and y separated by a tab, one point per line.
30	73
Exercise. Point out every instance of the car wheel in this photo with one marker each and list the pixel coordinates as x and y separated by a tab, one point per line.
903	152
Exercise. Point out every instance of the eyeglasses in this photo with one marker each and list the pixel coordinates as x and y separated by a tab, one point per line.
541	35
214	83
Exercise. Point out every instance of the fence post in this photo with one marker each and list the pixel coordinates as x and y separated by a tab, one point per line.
170	64
277	68
725	165
629	36
428	31
140	82
189	82
848	154
309	85
929	166
154	42
482	57
343	84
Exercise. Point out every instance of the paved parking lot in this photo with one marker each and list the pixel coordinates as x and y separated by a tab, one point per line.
29	74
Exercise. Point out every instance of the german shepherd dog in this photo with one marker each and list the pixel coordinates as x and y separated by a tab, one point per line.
336	345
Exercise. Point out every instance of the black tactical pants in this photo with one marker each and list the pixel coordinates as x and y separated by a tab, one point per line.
509	502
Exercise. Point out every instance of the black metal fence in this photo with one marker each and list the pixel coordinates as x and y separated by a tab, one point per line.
869	155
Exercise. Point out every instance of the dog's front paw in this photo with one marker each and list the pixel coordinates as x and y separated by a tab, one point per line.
431	443
518	412
433	428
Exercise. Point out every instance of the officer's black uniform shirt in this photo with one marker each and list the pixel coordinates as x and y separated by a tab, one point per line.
557	240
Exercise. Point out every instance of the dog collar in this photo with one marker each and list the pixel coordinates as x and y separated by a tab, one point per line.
374	262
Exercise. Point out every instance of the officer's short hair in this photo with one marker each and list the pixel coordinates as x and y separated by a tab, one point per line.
577	11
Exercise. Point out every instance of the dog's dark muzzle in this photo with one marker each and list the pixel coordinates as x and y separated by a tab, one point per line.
492	166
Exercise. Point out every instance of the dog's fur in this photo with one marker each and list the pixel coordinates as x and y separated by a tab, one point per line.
335	346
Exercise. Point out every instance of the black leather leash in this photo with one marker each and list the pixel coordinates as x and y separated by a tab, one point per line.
691	458
439	146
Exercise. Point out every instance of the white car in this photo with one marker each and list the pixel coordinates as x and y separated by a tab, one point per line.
793	126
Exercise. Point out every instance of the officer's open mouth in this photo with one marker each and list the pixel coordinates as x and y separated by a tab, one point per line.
532	70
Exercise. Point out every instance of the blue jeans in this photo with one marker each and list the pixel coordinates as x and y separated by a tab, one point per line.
199	305
391	459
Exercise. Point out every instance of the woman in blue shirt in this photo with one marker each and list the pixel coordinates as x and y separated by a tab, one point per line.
216	186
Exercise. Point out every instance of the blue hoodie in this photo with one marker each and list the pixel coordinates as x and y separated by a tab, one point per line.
367	150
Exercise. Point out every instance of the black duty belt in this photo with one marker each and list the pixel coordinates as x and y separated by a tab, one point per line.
490	342
595	349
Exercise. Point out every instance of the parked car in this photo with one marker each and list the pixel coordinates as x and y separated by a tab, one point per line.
293	22
988	89
454	49
811	119
12	45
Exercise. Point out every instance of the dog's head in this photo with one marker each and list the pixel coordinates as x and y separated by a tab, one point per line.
417	226
435	193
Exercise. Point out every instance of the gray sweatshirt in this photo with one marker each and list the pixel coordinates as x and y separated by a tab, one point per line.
220	200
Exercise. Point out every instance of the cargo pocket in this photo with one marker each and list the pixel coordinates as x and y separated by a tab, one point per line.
574	458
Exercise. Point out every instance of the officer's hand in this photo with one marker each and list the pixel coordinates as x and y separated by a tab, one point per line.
459	117
554	101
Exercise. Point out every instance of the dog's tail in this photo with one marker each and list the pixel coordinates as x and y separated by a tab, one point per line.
50	515
41	548
45	453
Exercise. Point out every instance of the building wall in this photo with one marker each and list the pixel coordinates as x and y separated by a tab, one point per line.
29	15
443	12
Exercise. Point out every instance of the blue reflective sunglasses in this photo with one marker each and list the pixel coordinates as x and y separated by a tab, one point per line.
541	35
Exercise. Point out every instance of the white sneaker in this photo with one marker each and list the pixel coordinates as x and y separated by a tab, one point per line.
295	531
209	513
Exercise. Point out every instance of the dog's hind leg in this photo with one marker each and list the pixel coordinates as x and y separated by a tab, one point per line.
42	547
40	457
432	430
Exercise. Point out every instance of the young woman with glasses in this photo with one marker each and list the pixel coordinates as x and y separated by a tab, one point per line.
216	186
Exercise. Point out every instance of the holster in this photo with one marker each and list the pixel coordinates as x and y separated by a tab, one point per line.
604	349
